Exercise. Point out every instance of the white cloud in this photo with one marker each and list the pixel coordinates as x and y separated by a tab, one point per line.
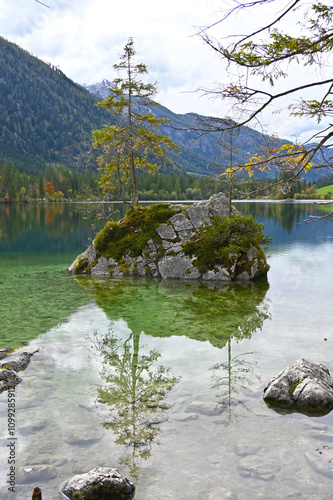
85	39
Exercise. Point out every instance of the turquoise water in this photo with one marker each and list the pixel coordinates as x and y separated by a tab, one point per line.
163	380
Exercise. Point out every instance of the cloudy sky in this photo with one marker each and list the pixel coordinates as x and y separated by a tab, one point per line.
85	38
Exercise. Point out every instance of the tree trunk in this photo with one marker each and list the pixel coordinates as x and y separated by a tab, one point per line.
134	189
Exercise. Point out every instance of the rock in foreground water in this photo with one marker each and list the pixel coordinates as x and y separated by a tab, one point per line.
101	483
304	387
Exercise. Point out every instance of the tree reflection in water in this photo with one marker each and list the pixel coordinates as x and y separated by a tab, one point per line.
229	379
136	384
136	387
237	374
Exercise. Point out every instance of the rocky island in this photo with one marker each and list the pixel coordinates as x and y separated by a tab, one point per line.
167	241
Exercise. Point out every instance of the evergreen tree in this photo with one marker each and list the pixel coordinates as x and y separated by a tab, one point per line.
132	142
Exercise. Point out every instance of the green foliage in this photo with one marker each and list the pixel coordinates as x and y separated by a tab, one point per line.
224	239
325	190
269	52
65	183
81	265
132	233
132	143
293	386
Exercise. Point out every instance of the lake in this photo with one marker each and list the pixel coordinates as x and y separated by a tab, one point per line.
163	380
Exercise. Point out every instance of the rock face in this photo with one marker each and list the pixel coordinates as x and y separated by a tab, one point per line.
164	258
303	386
8	377
100	483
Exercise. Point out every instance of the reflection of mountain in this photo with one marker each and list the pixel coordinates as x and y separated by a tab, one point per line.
198	310
43	228
285	221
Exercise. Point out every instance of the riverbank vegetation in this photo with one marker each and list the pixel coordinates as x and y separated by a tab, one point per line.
60	183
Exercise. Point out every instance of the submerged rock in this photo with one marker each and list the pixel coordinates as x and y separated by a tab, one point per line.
258	468
20	363
321	459
153	242
101	483
220	493
8	377
304	387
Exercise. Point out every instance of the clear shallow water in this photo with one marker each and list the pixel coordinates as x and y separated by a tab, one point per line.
164	380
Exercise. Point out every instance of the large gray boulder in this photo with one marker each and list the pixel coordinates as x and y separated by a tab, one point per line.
166	259
304	387
101	483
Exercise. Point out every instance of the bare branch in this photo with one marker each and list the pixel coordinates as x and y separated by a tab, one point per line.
270	25
38	1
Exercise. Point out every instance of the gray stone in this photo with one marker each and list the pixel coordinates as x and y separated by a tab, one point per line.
152	245
180	222
8	379
32	427
166	232
83	434
185	234
48	459
192	273
167	259
198	214
89	254
100	483
258	468
303	386
185	417
101	268
244	276
220	493
20	363
5	351
220	274
174	267
243	448
36	473
218	204
321	459
167	244
141	269
202	408
174	249
153	269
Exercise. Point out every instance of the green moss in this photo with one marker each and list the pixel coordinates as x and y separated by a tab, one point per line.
224	241
6	367
131	234
81	266
124	268
293	386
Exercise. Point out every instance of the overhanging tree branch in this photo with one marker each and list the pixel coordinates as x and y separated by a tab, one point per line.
42	3
267	59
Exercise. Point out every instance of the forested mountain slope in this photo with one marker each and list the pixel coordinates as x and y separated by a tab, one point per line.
47	118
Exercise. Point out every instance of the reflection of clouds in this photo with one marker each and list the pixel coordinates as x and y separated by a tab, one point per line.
291	275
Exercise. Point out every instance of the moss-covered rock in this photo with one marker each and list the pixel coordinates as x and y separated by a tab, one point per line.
199	241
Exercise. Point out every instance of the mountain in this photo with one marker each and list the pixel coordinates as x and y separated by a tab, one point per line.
47	118
202	153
